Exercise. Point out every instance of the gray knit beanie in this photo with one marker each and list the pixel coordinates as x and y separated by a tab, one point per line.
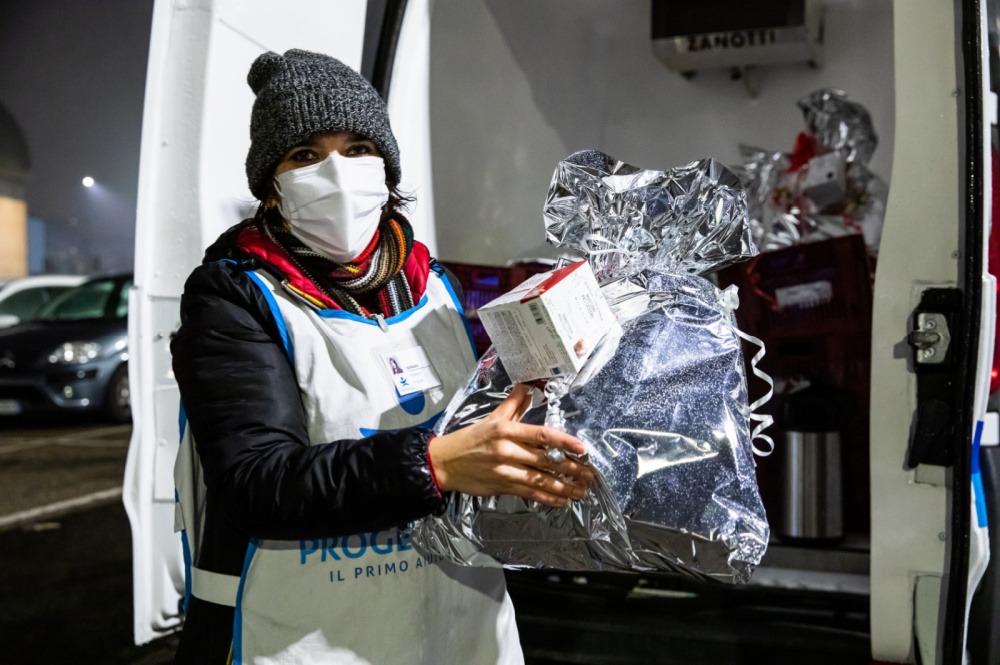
301	93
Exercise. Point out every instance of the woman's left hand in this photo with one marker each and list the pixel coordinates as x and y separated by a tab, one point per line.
502	455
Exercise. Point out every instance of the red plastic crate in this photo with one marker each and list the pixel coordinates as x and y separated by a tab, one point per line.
828	339
483	283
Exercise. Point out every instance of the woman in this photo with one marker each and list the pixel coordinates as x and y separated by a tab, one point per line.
304	454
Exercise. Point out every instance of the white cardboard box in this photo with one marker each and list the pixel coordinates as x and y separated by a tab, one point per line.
825	180
548	325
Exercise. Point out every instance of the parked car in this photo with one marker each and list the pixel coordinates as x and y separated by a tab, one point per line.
73	356
21	299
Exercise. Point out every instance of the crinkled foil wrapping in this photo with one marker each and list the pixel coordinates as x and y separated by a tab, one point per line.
783	214
768	187
661	405
624	219
839	124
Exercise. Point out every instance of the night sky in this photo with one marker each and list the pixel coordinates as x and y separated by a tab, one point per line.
72	73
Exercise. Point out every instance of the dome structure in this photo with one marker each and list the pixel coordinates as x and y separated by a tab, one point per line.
15	162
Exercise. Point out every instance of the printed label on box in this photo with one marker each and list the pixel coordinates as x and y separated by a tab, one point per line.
804	296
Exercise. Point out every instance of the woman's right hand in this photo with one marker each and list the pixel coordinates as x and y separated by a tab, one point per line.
501	455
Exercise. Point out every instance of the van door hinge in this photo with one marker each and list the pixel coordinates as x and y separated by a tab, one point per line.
934	339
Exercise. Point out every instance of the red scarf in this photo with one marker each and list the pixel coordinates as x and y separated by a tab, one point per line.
416	267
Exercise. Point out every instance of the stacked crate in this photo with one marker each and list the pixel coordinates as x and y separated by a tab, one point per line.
811	304
482	283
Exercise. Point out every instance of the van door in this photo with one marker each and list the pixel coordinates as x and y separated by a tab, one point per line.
191	188
932	339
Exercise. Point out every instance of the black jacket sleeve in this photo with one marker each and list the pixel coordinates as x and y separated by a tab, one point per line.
243	407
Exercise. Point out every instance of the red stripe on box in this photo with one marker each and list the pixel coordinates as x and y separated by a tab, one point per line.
550	281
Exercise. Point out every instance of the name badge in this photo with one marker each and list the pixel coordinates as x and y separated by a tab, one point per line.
410	370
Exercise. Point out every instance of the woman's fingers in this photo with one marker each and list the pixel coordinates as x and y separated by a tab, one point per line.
539	459
568	468
529	455
531	466
501	455
545	498
543	437
531	484
535	485
514	405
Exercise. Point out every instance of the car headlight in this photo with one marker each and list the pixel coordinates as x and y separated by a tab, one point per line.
75	353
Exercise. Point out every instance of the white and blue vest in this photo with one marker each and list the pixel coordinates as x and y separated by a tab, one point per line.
369	597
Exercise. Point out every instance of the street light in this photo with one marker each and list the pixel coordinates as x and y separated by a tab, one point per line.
88	181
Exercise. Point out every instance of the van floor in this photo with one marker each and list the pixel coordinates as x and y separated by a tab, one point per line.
604	618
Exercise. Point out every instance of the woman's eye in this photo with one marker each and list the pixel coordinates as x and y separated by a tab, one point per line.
304	155
359	149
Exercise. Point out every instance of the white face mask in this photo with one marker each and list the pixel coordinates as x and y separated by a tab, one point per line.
334	206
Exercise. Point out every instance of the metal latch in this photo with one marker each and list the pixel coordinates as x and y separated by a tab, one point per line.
936	340
930	338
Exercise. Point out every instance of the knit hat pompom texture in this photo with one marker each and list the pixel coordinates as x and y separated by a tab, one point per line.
301	93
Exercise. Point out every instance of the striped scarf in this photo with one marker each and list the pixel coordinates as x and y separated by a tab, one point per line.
375	276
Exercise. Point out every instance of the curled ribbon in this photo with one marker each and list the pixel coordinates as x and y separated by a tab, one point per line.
729	298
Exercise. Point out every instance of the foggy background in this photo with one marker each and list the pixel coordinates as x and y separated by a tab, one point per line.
72	74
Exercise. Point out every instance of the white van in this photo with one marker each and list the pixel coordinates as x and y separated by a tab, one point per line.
485	97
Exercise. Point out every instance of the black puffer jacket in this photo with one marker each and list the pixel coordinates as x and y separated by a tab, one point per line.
264	480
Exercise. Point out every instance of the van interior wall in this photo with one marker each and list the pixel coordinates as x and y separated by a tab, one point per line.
517	85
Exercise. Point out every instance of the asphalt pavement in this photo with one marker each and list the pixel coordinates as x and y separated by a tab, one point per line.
65	547
66	583
66	592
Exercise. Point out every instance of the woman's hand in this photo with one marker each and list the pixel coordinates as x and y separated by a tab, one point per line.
501	455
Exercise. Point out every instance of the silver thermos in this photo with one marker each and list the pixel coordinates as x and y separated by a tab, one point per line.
812	504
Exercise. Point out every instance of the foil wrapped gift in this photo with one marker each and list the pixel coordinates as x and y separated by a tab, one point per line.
661	405
790	200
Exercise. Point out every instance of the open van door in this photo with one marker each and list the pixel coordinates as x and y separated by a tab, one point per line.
192	187
932	342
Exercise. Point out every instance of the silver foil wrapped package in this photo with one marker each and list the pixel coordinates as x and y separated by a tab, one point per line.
822	189
839	125
770	198
661	405
625	219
